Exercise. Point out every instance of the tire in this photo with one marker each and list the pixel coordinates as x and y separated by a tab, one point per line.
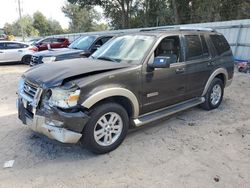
94	140
240	69
216	89
26	59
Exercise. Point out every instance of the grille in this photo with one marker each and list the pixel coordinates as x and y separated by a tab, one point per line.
35	60
30	89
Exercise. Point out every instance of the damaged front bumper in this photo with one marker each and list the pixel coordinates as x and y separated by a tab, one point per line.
65	127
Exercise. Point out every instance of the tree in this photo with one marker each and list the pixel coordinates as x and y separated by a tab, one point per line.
15	27
81	19
118	10
41	23
54	27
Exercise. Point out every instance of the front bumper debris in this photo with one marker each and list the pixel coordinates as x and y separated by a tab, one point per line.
54	123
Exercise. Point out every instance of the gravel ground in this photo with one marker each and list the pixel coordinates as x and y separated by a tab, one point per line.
194	148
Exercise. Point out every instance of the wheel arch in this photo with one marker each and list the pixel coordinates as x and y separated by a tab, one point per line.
25	56
218	73
122	96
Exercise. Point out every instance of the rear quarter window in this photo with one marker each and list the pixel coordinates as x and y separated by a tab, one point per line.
220	43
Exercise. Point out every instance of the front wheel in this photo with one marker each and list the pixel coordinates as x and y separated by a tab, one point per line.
214	95
106	129
26	59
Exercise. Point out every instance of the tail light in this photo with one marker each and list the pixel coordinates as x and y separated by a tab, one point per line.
33	48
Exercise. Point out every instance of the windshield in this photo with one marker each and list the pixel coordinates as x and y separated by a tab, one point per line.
128	48
82	43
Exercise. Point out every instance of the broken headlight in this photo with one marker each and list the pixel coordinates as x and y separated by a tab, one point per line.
64	98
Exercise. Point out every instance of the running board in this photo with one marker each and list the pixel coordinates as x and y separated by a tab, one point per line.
158	114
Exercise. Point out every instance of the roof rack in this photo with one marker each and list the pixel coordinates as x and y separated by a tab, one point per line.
180	28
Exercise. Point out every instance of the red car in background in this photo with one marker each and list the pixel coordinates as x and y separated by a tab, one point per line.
52	42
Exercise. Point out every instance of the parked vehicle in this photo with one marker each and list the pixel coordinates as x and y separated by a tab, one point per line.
3	36
132	80
52	43
81	47
12	51
33	41
243	67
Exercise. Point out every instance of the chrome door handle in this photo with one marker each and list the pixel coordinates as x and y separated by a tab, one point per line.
1	52
180	70
20	50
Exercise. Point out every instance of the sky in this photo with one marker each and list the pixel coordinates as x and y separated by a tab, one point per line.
50	8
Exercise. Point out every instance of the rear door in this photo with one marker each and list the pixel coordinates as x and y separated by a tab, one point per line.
198	63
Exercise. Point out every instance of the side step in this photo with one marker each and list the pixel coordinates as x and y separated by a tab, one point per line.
158	114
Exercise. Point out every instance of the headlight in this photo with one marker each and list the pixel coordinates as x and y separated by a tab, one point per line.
64	98
48	59
20	86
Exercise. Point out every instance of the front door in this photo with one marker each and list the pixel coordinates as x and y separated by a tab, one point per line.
163	87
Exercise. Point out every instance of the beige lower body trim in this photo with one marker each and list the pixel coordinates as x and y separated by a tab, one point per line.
112	92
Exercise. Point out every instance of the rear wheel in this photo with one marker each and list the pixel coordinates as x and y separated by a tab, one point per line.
26	59
214	95
106	129
240	69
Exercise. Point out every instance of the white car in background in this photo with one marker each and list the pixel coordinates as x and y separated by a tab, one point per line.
13	51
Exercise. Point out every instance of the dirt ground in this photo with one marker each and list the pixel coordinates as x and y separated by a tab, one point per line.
194	148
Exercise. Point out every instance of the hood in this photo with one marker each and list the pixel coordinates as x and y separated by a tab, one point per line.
53	74
57	52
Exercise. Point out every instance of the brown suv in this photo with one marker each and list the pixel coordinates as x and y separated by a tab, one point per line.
132	80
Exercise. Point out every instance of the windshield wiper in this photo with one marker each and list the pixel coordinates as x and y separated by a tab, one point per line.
107	59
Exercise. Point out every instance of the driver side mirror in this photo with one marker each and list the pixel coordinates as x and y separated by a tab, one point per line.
163	61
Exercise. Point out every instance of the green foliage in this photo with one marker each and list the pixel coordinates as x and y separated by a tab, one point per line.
144	13
15	27
41	23
33	26
54	27
82	19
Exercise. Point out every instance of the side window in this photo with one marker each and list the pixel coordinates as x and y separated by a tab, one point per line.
13	46
46	41
1	46
57	40
204	46
60	40
24	46
220	43
193	47
98	42
105	39
169	46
